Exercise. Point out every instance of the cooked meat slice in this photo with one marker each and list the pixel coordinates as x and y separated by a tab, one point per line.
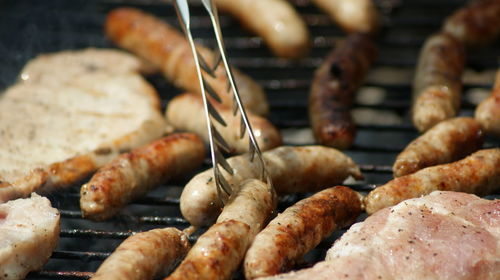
292	169
444	235
145	255
29	232
71	129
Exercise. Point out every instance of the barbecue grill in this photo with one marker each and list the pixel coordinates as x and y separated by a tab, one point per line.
31	27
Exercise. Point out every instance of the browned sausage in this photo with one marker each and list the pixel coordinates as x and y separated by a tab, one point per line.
478	173
476	24
220	250
145	255
167	49
438	81
333	88
132	174
266	134
488	111
445	142
299	229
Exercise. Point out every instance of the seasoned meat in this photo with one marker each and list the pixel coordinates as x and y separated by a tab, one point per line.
488	111
29	232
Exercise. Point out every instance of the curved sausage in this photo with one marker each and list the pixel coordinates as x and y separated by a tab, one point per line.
291	169
445	142
220	250
167	49
438	81
145	255
265	133
476	24
488	111
352	15
478	173
277	23
333	88
299	229
132	174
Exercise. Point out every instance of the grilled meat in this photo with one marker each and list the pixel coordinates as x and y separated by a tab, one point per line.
488	111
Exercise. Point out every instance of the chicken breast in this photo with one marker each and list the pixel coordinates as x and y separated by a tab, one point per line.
444	235
29	232
54	134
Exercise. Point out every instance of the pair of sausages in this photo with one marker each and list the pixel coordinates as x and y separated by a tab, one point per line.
333	87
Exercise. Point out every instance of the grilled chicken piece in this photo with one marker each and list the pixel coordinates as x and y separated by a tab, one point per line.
72	126
29	232
444	235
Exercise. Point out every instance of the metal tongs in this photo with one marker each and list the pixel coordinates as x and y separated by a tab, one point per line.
217	142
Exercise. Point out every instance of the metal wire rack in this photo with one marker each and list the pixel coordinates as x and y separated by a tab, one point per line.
31	27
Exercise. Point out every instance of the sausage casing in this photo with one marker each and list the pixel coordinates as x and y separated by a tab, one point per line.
167	49
145	255
445	142
292	169
333	88
438	81
265	133
220	250
299	229
476	24
488	111
132	174
478	173
278	24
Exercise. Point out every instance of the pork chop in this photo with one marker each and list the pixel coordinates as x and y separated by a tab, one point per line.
444	235
29	231
54	133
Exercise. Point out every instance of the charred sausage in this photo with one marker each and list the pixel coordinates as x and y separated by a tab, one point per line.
278	24
299	229
132	174
167	49
333	88
292	169
445	142
145	255
266	134
488	112
220	250
438	81
478	173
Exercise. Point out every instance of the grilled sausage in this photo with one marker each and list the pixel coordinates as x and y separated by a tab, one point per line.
132	174
145	255
352	15
299	229
333	87
478	173
445	142
292	169
476	24
277	23
438	81
220	250
265	133
167	49
488	111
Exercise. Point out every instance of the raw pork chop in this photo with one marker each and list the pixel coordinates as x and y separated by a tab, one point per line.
444	235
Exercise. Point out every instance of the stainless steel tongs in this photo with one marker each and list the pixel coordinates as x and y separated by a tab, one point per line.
217	142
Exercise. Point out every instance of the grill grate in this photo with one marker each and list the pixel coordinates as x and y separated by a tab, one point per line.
30	27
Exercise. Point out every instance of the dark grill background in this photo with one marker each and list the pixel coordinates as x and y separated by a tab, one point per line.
28	28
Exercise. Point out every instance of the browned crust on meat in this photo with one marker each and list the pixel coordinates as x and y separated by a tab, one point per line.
133	174
477	23
478	173
145	255
438	81
299	229
167	49
445	142
488	111
333	88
